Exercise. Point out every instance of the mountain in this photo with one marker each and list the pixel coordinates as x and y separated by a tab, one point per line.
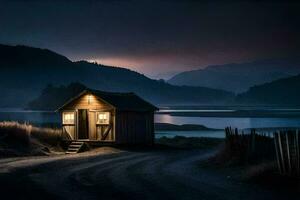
52	97
25	72
280	92
238	77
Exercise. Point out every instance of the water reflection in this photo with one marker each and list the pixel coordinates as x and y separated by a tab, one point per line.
221	122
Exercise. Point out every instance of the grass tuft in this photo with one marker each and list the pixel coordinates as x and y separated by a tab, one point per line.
15	132
18	139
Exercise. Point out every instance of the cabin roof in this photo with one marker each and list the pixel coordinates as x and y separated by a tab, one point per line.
121	101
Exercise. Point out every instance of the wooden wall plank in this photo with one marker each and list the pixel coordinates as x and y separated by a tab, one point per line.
134	127
92	126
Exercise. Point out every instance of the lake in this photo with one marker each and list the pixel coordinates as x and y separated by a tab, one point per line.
42	117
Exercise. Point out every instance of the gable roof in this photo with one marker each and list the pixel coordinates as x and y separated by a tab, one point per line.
121	101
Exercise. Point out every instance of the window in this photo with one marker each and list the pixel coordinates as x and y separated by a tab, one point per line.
102	117
68	118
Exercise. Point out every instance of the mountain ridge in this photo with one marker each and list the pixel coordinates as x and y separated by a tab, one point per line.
283	91
25	72
238	76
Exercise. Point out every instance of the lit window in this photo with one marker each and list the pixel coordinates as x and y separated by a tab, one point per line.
68	118
102	117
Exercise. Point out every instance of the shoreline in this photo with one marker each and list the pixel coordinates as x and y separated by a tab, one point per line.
182	127
236	113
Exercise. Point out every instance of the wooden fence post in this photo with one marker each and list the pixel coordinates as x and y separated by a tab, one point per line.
297	150
277	152
281	152
288	152
253	140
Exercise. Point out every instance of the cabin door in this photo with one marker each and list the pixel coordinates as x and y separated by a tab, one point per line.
83	127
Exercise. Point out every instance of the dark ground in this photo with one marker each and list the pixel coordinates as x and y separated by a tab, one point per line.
157	174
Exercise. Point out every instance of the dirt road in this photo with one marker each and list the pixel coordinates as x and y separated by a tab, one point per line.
164	174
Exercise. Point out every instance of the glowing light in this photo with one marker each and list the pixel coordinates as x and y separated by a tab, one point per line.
103	118
68	118
89	98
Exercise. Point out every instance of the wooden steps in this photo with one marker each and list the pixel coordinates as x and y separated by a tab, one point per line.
75	147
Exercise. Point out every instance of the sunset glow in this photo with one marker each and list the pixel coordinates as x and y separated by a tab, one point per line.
151	42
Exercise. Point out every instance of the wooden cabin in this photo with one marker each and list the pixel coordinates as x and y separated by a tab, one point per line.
119	118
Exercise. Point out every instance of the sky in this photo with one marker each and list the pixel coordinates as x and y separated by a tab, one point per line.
156	38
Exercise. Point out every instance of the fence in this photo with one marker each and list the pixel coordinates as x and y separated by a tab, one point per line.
256	146
248	147
287	152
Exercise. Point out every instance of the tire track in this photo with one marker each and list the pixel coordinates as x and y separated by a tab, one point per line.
167	174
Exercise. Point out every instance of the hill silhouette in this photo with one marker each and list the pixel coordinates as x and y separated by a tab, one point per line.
239	77
26	71
280	92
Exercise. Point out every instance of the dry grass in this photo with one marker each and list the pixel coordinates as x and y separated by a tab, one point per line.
24	132
25	139
47	135
14	131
